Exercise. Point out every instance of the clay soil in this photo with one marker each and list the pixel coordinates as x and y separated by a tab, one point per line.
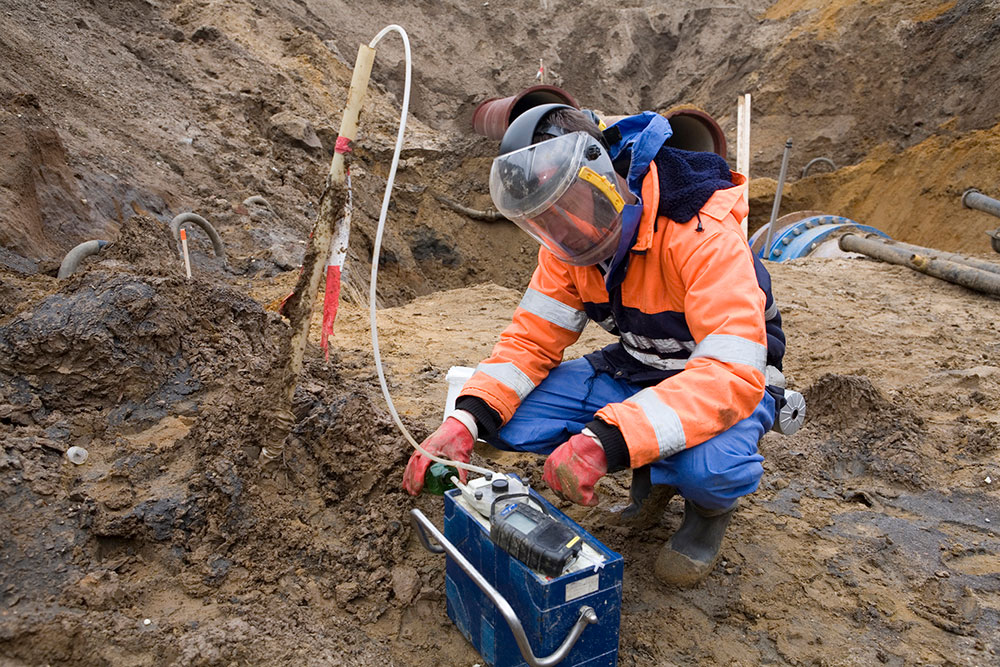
873	538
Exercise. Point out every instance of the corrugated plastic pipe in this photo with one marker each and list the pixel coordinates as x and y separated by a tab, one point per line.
960	274
73	258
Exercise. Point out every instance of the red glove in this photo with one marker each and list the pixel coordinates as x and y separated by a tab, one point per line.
452	440
574	468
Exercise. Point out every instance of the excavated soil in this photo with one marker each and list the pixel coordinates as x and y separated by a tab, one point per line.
873	537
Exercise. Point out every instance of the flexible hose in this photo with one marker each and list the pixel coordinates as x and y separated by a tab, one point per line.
175	228
378	247
258	200
73	258
817	160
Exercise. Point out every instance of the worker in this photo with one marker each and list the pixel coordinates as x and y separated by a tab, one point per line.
645	240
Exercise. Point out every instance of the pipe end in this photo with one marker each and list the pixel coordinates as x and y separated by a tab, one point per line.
965	196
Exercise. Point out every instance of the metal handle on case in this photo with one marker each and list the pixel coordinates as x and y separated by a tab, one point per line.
587	614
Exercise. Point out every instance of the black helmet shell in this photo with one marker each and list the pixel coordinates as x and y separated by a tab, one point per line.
521	130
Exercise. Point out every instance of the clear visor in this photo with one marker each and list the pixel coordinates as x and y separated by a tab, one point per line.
565	193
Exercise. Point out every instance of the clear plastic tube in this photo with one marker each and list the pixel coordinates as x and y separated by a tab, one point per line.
377	249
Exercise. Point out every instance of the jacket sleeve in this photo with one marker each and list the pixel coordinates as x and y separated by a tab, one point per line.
549	319
723	380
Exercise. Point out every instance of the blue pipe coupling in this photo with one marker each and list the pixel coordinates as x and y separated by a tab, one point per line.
806	236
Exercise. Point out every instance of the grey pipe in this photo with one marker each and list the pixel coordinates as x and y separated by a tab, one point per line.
815	160
953	272
994	239
950	256
777	197
257	199
175	227
587	614
975	199
73	258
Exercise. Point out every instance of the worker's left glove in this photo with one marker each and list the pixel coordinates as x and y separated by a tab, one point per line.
574	467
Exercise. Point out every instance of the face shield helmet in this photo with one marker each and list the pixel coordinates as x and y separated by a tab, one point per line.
564	192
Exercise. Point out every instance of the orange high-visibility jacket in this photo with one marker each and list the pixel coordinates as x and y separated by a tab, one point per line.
695	306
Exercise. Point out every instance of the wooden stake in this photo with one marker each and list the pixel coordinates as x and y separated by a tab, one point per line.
299	307
187	258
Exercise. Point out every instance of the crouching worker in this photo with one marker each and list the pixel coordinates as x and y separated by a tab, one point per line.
645	240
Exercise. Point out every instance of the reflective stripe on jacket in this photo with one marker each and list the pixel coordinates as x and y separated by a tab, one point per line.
690	302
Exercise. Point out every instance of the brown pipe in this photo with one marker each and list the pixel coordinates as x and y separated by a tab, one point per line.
695	130
960	274
492	117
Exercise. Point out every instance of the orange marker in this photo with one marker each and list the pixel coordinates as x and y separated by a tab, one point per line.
184	247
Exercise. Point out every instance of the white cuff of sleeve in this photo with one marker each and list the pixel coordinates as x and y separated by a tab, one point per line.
468	421
588	432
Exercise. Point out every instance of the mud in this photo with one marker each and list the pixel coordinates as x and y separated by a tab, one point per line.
873	537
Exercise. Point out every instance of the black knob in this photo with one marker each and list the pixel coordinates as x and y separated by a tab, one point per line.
499	486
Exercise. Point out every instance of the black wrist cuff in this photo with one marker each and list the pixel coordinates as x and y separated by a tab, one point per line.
615	449
487	419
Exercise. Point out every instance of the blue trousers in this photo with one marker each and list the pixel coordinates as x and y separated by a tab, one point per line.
712	475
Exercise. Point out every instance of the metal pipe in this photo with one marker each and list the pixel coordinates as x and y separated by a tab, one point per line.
492	116
949	256
695	130
953	272
975	199
815	160
73	258
777	197
994	239
587	614
175	227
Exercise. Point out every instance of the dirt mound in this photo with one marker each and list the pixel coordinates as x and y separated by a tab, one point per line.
846	400
869	434
171	506
133	341
146	244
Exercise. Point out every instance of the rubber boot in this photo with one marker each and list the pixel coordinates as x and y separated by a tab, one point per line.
648	502
694	549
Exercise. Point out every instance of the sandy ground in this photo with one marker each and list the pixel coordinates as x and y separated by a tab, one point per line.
873	531
873	537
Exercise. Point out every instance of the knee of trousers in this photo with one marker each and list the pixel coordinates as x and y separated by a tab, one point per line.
717	472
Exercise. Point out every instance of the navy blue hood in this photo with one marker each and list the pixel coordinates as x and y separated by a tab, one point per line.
687	180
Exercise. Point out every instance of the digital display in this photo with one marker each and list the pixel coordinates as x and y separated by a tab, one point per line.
521	522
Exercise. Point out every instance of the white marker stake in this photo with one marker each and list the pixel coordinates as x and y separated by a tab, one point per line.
184	247
743	144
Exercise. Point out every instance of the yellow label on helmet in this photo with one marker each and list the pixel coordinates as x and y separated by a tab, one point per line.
606	187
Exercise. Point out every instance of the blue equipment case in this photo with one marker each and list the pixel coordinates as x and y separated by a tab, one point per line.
547	608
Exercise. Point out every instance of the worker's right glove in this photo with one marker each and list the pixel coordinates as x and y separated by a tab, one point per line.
452	440
574	467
